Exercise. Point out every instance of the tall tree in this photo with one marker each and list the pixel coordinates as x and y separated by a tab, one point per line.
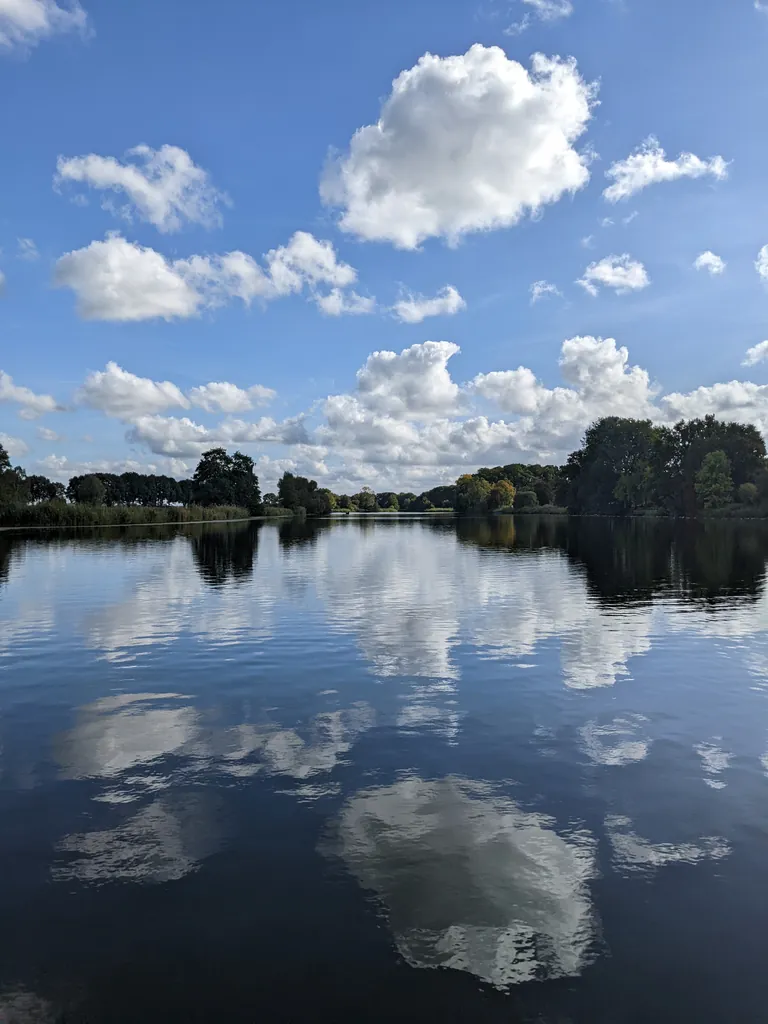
714	483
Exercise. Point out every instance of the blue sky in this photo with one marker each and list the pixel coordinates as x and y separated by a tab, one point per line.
257	99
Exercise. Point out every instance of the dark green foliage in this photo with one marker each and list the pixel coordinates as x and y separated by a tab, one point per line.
629	466
59	513
366	500
747	494
714	484
302	496
526	499
86	490
222	479
40	488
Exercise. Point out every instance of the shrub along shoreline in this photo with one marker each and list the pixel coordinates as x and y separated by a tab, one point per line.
61	514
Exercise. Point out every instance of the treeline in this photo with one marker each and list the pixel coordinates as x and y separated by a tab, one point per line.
299	495
624	467
630	466
223	487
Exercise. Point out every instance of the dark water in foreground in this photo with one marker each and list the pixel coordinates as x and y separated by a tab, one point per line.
261	773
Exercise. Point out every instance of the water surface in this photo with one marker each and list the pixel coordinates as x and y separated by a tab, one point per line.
385	769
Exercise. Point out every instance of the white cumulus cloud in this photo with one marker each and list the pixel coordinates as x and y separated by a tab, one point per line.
23	23
116	392
182	437
649	165
621	273
163	186
412	309
761	263
13	445
540	290
32	405
225	397
710	262
757	354
337	302
120	280
463	143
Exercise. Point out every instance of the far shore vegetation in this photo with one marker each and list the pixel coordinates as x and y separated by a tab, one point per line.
624	467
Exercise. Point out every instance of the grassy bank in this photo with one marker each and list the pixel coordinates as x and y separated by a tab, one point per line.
58	513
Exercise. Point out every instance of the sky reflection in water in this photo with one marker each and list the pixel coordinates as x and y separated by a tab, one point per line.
484	735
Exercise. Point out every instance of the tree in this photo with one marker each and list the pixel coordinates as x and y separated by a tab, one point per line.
526	499
502	495
393	504
472	494
613	448
245	484
212	479
366	500
270	499
714	484
222	479
86	490
747	494
13	484
302	495
40	488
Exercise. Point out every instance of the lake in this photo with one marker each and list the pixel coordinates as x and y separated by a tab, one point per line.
385	769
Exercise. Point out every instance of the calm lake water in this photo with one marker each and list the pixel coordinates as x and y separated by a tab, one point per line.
385	770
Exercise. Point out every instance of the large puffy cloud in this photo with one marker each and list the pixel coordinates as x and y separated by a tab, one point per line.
125	396
226	397
737	400
120	280
415	383
621	273
116	279
757	354
121	394
463	143
649	165
163	186
182	437
761	263
32	405
412	309
402	422
23	23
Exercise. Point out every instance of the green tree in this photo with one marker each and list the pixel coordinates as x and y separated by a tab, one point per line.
366	500
212	482
747	494
714	484
42	489
13	484
87	490
303	496
526	499
472	494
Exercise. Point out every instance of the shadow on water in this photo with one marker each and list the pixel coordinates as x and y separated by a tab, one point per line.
639	559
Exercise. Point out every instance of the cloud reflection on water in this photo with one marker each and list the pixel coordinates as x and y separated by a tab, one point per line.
470	881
